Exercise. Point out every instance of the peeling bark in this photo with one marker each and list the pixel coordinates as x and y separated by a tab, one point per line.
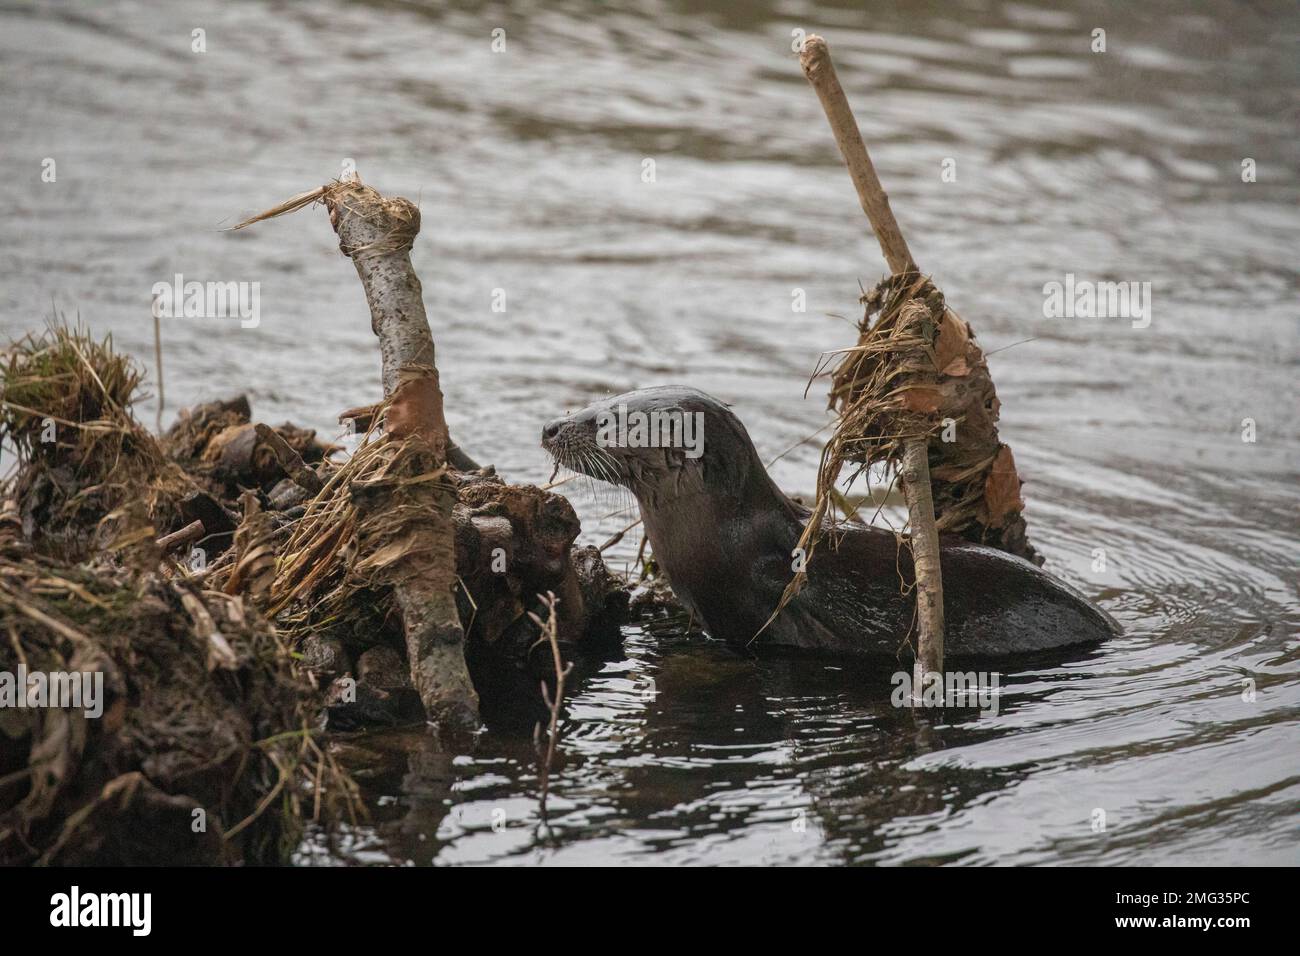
377	233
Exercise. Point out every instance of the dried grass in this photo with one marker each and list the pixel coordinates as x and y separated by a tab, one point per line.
65	403
205	706
874	387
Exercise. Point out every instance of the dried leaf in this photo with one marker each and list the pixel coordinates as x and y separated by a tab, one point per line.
1002	490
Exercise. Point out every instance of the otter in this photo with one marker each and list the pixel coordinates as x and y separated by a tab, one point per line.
725	536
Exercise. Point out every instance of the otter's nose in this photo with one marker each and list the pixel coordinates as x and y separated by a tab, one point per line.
551	429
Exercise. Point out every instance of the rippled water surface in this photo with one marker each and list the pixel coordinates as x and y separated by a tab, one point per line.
527	164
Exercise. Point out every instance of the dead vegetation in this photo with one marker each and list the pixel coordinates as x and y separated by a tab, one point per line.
65	412
249	597
917	372
205	750
260	589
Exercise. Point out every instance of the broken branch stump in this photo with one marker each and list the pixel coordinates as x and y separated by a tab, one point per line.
376	233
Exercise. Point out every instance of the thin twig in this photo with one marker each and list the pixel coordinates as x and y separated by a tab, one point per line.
618	536
158	364
550	635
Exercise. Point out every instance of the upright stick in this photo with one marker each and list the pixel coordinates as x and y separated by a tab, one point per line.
157	361
925	558
816	62
377	232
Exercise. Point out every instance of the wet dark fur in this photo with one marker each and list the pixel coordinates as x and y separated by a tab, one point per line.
724	534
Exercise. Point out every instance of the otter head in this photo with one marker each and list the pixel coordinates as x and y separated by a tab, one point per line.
710	511
664	444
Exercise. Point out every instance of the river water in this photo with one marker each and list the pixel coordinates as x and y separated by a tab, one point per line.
529	165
